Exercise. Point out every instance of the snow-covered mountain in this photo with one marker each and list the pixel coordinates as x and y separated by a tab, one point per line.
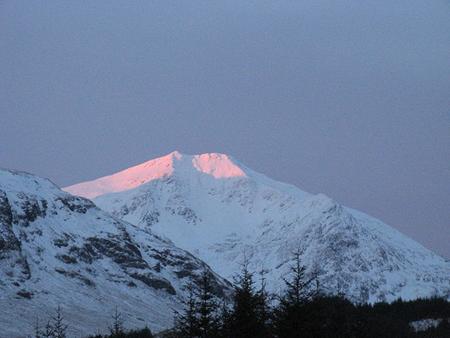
225	213
58	249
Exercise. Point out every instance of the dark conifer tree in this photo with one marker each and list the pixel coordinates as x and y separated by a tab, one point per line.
225	321
117	328
208	308
48	330
200	317
59	327
263	307
249	313
186	323
290	315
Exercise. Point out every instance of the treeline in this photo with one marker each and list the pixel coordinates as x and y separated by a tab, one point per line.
300	311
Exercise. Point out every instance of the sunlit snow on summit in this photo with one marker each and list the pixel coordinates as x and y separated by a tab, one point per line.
217	165
213	164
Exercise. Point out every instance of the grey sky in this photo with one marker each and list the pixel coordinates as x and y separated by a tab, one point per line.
349	97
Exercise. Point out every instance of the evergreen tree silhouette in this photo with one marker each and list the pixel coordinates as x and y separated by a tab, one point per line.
186	323
249	313
200	317
48	330
59	327
117	329
208	321
290	314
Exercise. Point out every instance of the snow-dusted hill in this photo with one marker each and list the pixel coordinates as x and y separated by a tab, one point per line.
226	213
58	249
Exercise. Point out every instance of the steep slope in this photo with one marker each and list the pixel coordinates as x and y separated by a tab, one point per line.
226	213
58	249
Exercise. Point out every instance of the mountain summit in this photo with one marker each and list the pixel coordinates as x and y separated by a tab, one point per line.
227	214
213	164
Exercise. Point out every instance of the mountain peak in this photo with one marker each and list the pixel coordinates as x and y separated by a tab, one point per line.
216	165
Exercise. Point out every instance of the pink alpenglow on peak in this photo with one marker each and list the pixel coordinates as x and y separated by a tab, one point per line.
126	179
215	165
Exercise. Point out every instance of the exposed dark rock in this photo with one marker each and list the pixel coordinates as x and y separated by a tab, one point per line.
5	209
67	259
190	266
124	253
31	210
187	213
167	257
44	204
86	254
155	282
76	204
8	240
151	218
184	273
77	275
157	267
10	246
25	294
124	210
62	242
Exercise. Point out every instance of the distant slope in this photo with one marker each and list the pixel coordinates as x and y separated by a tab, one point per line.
226	213
58	249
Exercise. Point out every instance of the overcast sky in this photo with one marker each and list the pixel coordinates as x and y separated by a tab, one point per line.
346	97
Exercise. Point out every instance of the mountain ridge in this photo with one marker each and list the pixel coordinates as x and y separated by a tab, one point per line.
225	220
